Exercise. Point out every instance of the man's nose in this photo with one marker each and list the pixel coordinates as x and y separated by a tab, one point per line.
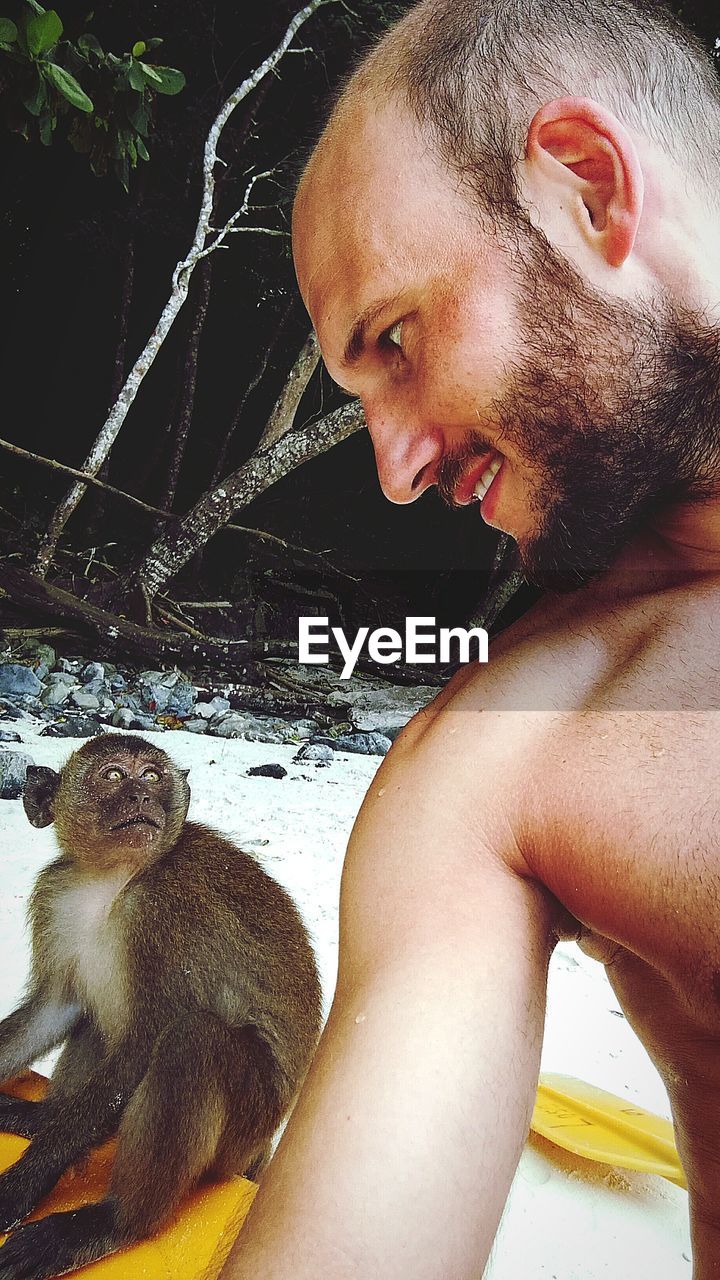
407	455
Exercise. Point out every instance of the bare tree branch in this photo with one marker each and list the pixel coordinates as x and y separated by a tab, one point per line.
180	283
215	509
283	415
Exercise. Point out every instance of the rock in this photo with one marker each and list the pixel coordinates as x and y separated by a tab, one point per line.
197	725
16	680
93	671
302	728
63	677
384	711
145	724
231	725
73	727
123	718
85	701
154	696
361	744
8	735
36	651
320	752
118	683
267	771
42	671
215	707
56	694
9	712
129	700
72	666
13	767
182	699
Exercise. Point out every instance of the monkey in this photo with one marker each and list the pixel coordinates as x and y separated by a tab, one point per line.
182	981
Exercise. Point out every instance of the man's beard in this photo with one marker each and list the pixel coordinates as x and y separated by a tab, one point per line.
615	408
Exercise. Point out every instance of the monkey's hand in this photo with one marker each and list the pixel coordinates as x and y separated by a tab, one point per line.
59	1243
20	1116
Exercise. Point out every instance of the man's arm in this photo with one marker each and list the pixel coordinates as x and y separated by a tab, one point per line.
399	1156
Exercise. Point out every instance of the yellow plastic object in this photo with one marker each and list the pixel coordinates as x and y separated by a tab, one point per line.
598	1125
193	1246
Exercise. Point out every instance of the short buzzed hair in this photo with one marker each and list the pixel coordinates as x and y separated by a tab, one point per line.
474	72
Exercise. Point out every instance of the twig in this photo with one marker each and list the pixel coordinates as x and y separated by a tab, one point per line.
261	534
85	477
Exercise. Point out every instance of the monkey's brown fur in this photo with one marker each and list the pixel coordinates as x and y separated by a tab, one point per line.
183	980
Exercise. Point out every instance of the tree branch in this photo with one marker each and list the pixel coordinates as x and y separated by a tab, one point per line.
286	406
215	509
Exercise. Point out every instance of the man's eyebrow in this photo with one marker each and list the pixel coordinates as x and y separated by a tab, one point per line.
355	344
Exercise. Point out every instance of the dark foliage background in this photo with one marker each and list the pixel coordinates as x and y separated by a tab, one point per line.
71	243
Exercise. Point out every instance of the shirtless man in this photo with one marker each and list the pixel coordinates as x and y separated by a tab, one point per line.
508	239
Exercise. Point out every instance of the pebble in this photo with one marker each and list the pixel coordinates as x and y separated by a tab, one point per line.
267	771
13	767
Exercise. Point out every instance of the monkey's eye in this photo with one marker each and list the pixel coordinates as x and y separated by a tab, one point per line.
113	774
151	775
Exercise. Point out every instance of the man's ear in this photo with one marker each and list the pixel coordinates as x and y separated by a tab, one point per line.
39	793
577	142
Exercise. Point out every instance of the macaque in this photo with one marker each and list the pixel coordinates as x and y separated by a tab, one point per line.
182	981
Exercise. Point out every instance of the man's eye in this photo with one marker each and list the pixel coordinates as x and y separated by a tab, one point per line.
394	335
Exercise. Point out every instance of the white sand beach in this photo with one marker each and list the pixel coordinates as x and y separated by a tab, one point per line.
566	1219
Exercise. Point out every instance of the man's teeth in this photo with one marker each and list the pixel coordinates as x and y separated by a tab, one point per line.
486	479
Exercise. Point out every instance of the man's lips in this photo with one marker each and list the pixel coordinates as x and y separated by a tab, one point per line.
465	488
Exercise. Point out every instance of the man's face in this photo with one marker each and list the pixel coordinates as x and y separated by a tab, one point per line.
484	363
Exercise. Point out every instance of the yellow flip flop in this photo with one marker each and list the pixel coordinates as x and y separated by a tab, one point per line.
600	1126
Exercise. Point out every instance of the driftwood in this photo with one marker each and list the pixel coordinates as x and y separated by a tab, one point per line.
116	634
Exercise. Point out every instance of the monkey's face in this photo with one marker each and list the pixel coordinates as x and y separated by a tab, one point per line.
118	801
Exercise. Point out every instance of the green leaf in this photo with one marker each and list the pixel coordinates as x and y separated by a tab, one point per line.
68	86
8	31
170	80
37	99
139	48
88	43
142	149
43	31
35	6
135	76
151	75
139	116
46	123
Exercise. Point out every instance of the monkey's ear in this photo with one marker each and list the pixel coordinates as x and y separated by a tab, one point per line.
39	793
